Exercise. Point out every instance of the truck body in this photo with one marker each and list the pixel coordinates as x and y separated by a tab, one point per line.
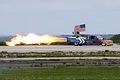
75	40
89	40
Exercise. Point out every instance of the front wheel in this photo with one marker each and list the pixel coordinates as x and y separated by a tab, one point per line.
103	44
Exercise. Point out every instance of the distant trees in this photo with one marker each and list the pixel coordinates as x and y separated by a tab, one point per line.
2	43
116	38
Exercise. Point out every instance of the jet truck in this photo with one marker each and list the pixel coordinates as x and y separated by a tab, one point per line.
89	40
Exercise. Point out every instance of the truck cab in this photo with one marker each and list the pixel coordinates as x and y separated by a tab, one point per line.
97	40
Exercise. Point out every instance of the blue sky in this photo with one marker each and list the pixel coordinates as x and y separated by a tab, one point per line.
57	17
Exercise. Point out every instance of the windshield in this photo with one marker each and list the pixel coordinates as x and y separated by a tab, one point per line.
100	38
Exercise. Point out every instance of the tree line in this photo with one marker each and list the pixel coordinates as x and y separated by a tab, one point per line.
116	38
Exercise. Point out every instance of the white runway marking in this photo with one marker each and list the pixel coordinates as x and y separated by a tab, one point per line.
64	58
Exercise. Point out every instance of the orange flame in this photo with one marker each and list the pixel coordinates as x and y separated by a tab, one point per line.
34	39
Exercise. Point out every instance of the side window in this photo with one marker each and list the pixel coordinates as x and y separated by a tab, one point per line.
92	37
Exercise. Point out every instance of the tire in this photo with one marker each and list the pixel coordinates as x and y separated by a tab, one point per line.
103	44
80	44
76	44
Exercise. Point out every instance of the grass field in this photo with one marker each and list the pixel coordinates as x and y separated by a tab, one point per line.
60	74
106	53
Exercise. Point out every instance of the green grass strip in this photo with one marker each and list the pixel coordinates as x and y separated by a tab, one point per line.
60	74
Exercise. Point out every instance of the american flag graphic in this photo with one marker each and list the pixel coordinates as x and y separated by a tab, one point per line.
79	28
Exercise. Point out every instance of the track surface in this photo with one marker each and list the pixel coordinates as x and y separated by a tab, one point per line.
66	48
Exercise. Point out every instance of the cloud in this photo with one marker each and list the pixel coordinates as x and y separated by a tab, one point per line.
109	4
43	5
22	14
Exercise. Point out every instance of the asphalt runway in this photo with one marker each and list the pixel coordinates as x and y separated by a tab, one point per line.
66	48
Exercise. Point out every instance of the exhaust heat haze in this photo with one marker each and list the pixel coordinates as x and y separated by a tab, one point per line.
32	38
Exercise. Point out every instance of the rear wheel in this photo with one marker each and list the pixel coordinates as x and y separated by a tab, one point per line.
76	44
103	44
80	44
